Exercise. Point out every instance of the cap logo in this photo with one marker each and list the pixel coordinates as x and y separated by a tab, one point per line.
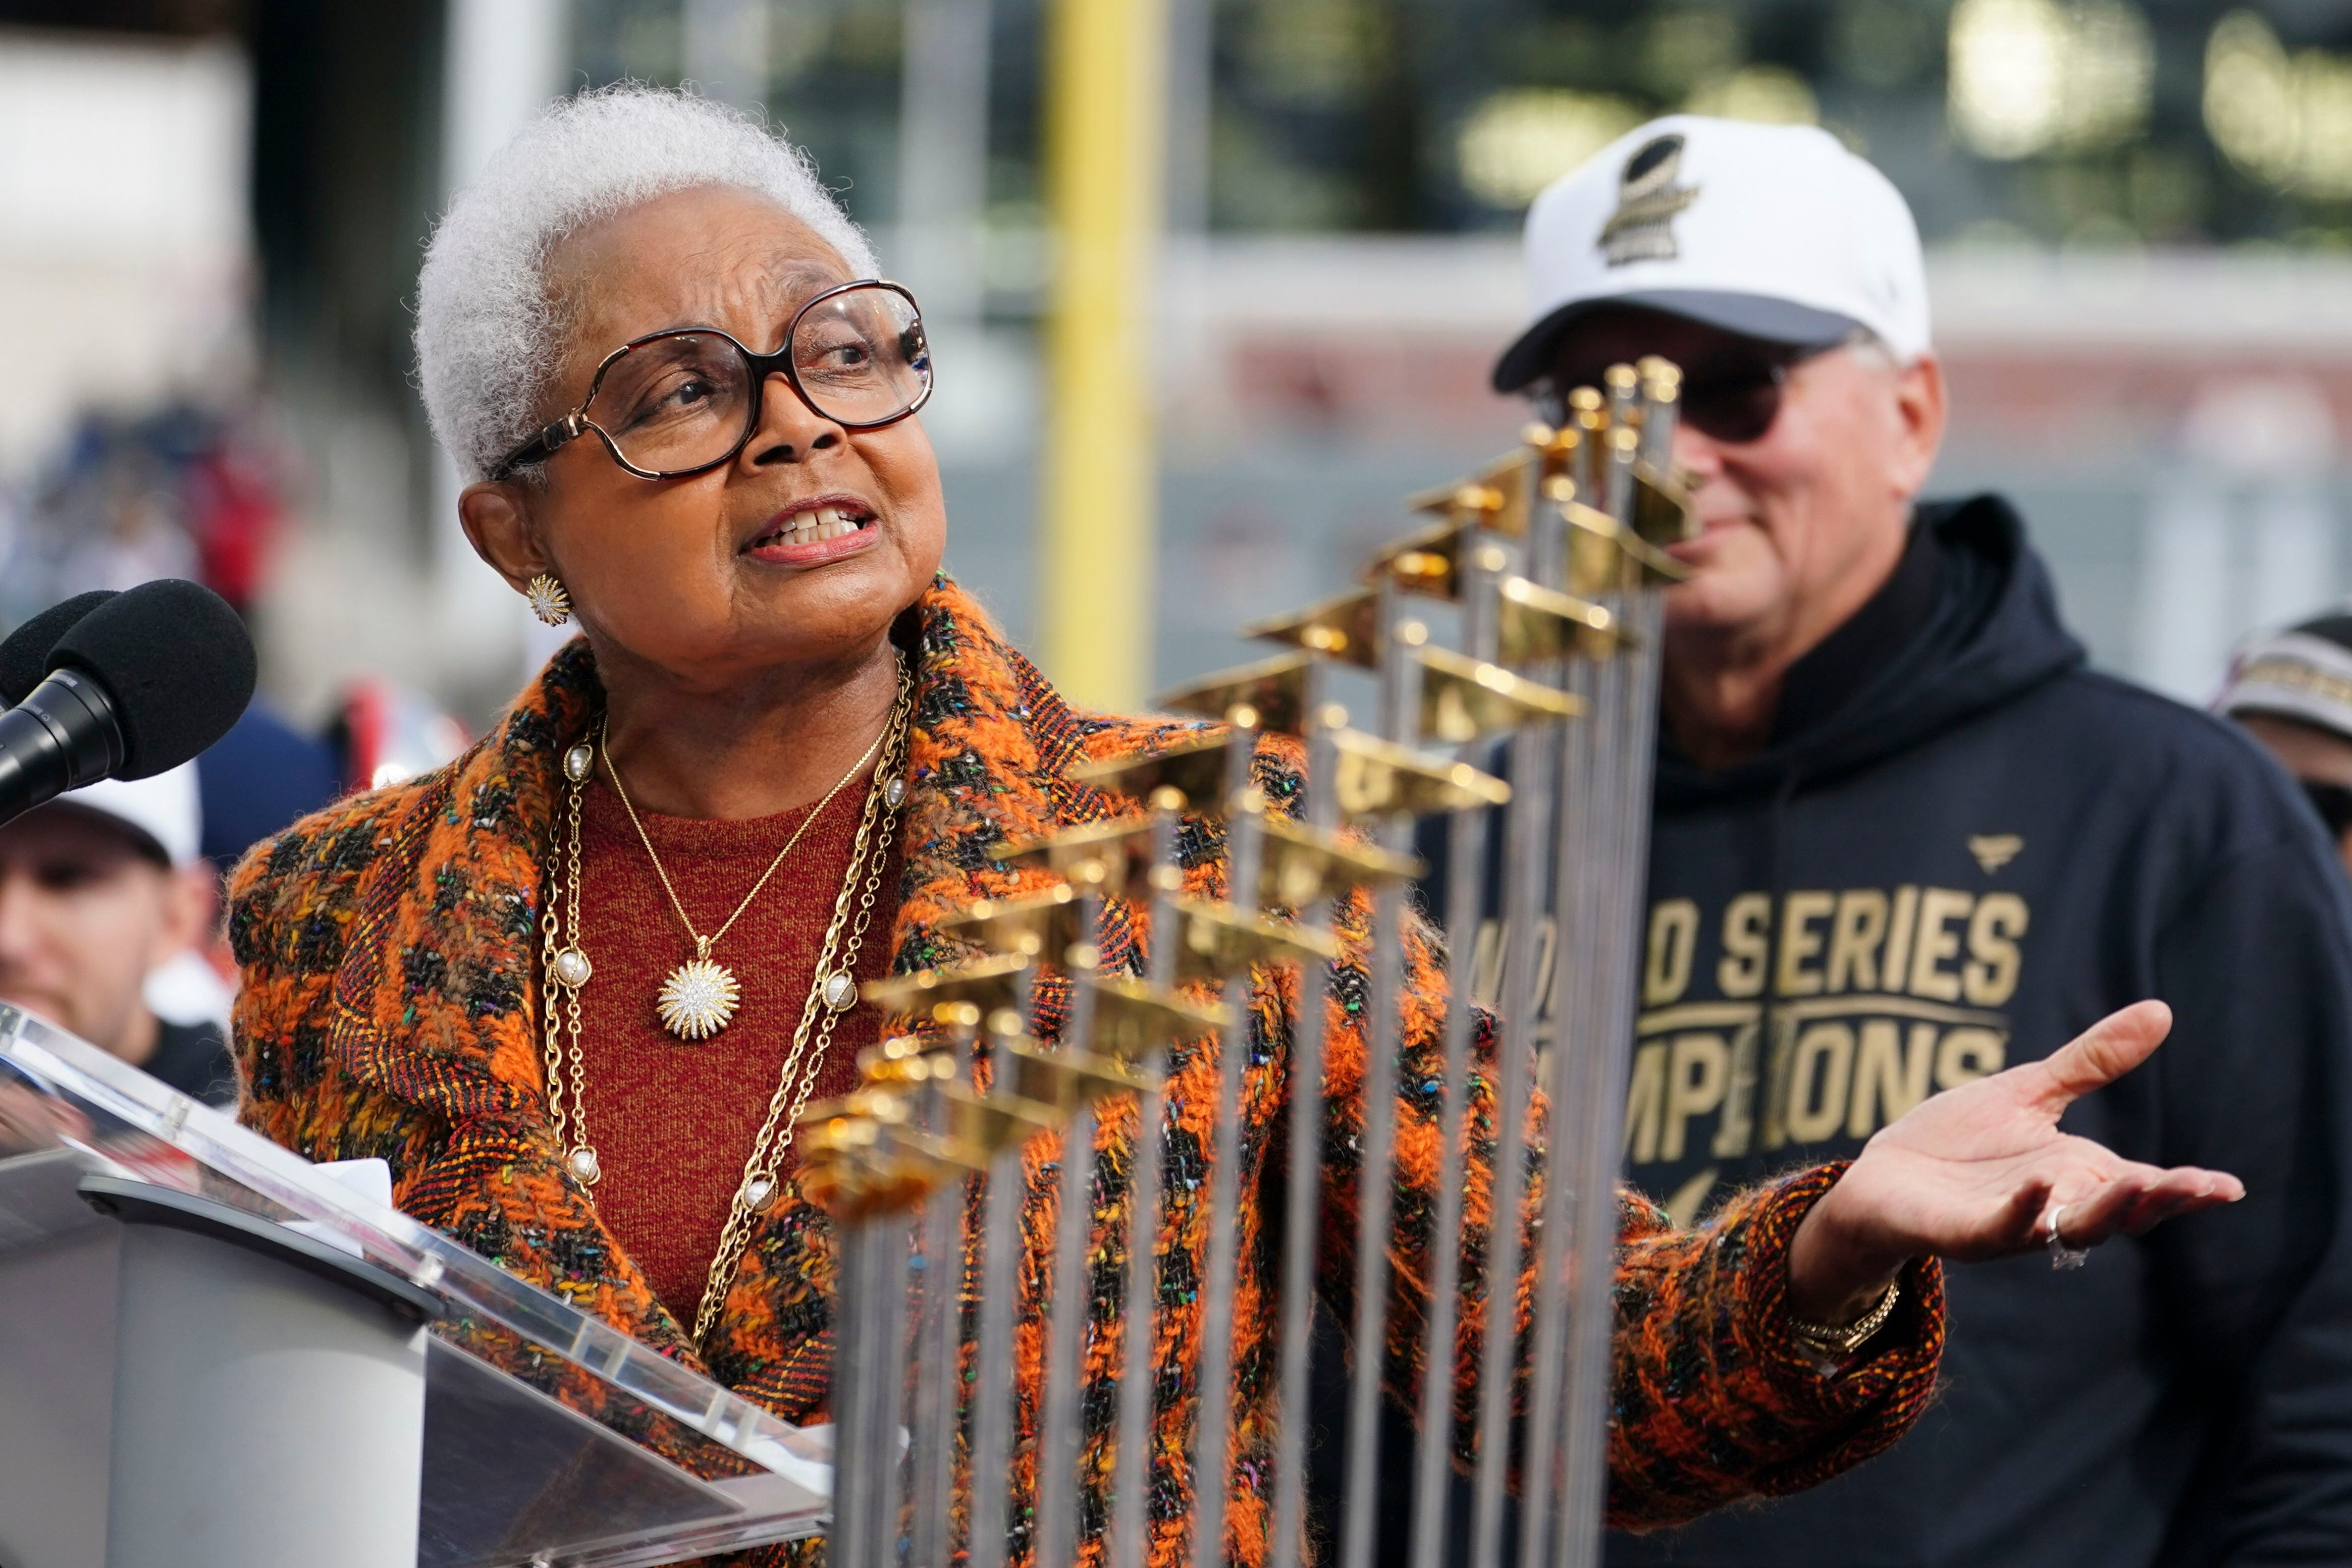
1641	228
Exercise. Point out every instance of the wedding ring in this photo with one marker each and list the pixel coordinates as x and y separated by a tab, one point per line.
2061	1255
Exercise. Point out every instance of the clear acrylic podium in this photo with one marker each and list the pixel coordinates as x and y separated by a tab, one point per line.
215	1355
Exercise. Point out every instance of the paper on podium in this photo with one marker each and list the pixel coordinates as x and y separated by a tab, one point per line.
547	1430
371	1179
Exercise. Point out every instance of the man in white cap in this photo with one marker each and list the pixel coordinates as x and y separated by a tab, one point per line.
99	890
2292	690
1904	839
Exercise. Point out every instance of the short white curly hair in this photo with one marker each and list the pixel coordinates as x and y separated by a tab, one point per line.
487	332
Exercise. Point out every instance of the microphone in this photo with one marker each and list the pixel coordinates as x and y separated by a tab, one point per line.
24	655
137	686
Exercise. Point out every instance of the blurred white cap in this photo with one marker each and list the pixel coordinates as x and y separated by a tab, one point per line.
2303	673
163	811
1774	232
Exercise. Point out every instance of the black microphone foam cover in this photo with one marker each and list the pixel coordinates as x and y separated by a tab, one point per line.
24	655
177	661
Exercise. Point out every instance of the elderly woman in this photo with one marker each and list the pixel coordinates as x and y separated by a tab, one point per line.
573	986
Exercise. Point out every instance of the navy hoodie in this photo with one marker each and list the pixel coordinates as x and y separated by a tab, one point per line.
1960	848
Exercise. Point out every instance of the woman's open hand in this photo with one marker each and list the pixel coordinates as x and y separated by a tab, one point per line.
1981	1171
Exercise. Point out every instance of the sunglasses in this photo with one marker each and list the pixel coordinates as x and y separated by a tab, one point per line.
1732	395
2332	801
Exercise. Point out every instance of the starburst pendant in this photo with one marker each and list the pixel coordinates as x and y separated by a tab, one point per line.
697	999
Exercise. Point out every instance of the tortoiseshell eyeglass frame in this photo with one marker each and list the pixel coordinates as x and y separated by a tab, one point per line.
576	423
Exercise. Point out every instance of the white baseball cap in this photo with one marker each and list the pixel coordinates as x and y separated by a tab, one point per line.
2303	673
163	812
1774	232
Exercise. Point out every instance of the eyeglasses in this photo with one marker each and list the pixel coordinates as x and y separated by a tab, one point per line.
2332	801
1732	395
683	401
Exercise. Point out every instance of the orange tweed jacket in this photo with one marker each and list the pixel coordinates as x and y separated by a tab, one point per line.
388	1005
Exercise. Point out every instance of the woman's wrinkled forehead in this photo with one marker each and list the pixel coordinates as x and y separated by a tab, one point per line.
713	258
755	299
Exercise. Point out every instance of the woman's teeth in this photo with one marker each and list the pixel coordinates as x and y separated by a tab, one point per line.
824	523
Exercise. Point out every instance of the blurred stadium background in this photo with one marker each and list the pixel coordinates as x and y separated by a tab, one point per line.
2139	214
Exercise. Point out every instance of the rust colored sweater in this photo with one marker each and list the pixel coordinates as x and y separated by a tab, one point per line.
673	1120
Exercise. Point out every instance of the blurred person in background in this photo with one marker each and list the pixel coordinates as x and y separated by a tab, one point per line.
1904	840
179	490
101	891
2293	692
254	781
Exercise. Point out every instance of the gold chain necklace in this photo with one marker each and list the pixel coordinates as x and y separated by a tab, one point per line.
701	996
567	967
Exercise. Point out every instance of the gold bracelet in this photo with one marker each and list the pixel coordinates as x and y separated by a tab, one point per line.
1836	1343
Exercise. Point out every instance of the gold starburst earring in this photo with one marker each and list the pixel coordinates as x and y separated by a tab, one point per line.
547	600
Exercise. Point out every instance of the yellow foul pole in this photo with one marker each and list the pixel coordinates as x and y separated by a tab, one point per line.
1105	135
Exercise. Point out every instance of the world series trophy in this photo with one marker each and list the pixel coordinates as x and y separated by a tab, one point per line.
1538	722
